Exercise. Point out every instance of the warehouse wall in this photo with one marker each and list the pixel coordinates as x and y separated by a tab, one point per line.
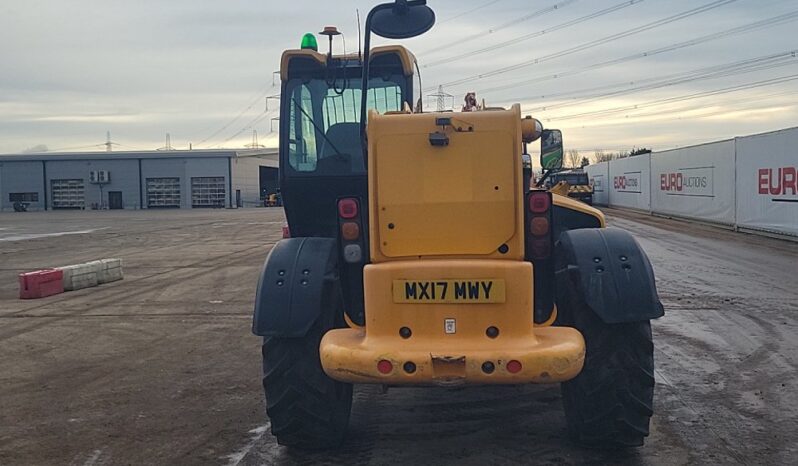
246	178
21	177
185	169
124	175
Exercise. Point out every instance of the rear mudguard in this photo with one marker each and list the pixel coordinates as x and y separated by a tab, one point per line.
611	271
298	280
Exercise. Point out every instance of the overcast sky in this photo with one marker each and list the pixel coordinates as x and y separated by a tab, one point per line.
201	70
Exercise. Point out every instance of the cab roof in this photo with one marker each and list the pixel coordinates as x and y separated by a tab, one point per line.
406	57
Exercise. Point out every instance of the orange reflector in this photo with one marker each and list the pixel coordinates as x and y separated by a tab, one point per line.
384	366
513	367
350	231
539	226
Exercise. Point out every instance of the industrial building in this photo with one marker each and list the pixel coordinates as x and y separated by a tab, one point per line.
137	180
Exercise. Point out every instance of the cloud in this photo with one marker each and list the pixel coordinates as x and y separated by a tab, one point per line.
74	70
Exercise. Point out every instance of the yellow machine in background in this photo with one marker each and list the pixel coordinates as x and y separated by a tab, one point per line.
423	256
572	183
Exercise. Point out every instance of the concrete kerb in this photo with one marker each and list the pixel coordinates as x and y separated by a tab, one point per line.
89	274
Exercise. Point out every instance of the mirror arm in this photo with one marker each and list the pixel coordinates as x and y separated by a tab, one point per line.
364	91
546	174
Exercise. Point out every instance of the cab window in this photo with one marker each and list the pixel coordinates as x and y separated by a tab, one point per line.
324	116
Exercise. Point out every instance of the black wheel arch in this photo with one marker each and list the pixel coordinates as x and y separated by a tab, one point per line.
611	272
298	277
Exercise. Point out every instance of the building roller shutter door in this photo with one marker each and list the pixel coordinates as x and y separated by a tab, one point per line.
68	194
208	191
163	193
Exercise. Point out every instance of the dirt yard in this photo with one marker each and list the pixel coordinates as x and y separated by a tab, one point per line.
161	368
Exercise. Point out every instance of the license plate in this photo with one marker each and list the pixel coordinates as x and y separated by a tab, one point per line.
470	291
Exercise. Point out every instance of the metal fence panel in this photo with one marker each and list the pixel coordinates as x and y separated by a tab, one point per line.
629	182
695	182
599	175
767	182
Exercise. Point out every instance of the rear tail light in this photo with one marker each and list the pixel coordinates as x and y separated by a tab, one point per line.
541	248
539	234
353	253
539	226
350	224
347	208
286	232
539	202
350	231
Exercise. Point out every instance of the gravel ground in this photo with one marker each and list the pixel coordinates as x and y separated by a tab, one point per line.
162	368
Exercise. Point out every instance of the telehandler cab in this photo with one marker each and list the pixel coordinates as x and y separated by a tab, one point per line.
423	257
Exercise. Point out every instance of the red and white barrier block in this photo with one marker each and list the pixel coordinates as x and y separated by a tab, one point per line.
41	283
48	282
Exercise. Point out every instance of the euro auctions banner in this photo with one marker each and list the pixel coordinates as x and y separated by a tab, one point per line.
767	182
629	182
695	182
599	175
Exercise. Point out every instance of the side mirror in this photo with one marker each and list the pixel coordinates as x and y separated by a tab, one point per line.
402	19
551	153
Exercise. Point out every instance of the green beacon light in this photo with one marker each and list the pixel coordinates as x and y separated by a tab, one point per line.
309	42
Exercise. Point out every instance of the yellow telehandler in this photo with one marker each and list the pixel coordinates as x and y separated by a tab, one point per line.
420	255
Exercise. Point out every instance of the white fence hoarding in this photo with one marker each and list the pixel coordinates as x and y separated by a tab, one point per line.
767	182
695	182
599	174
629	182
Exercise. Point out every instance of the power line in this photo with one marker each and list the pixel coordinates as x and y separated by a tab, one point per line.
472	37
467	12
625	120
698	95
774	21
762	63
249	126
257	99
60	149
524	37
595	43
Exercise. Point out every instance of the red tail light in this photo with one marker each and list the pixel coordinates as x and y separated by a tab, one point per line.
350	227
539	234
347	208
539	202
286	232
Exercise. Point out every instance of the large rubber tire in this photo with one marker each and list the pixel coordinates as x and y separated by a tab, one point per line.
308	410
610	403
